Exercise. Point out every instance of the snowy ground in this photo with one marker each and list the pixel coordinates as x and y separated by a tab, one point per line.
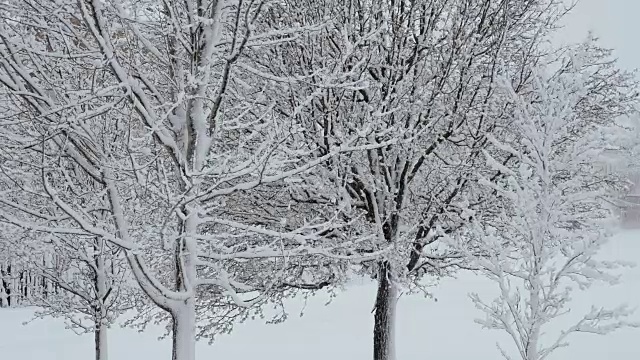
426	329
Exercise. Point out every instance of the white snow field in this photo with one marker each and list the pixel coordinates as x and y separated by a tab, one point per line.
342	330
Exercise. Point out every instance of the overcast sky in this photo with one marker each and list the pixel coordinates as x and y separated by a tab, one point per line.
615	22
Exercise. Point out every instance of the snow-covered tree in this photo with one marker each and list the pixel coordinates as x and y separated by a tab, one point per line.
542	247
20	282
138	123
91	284
621	159
423	71
5	273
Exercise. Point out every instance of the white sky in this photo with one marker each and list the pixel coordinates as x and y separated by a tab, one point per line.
615	22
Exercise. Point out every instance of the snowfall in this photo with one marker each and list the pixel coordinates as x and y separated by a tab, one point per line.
438	328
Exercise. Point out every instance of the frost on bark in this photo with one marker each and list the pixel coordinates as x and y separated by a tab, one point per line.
184	332
100	341
4	297
384	315
102	291
4	284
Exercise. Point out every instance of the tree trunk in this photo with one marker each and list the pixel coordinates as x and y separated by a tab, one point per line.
384	316
100	337
4	288
184	316
536	311
184	332
8	286
102	292
23	286
4	299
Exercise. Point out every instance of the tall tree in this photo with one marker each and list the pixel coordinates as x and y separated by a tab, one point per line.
88	285
137	123
555	209
421	71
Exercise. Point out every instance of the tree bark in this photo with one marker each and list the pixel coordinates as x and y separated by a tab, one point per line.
8	286
100	284
100	338
4	288
384	316
4	299
184	332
